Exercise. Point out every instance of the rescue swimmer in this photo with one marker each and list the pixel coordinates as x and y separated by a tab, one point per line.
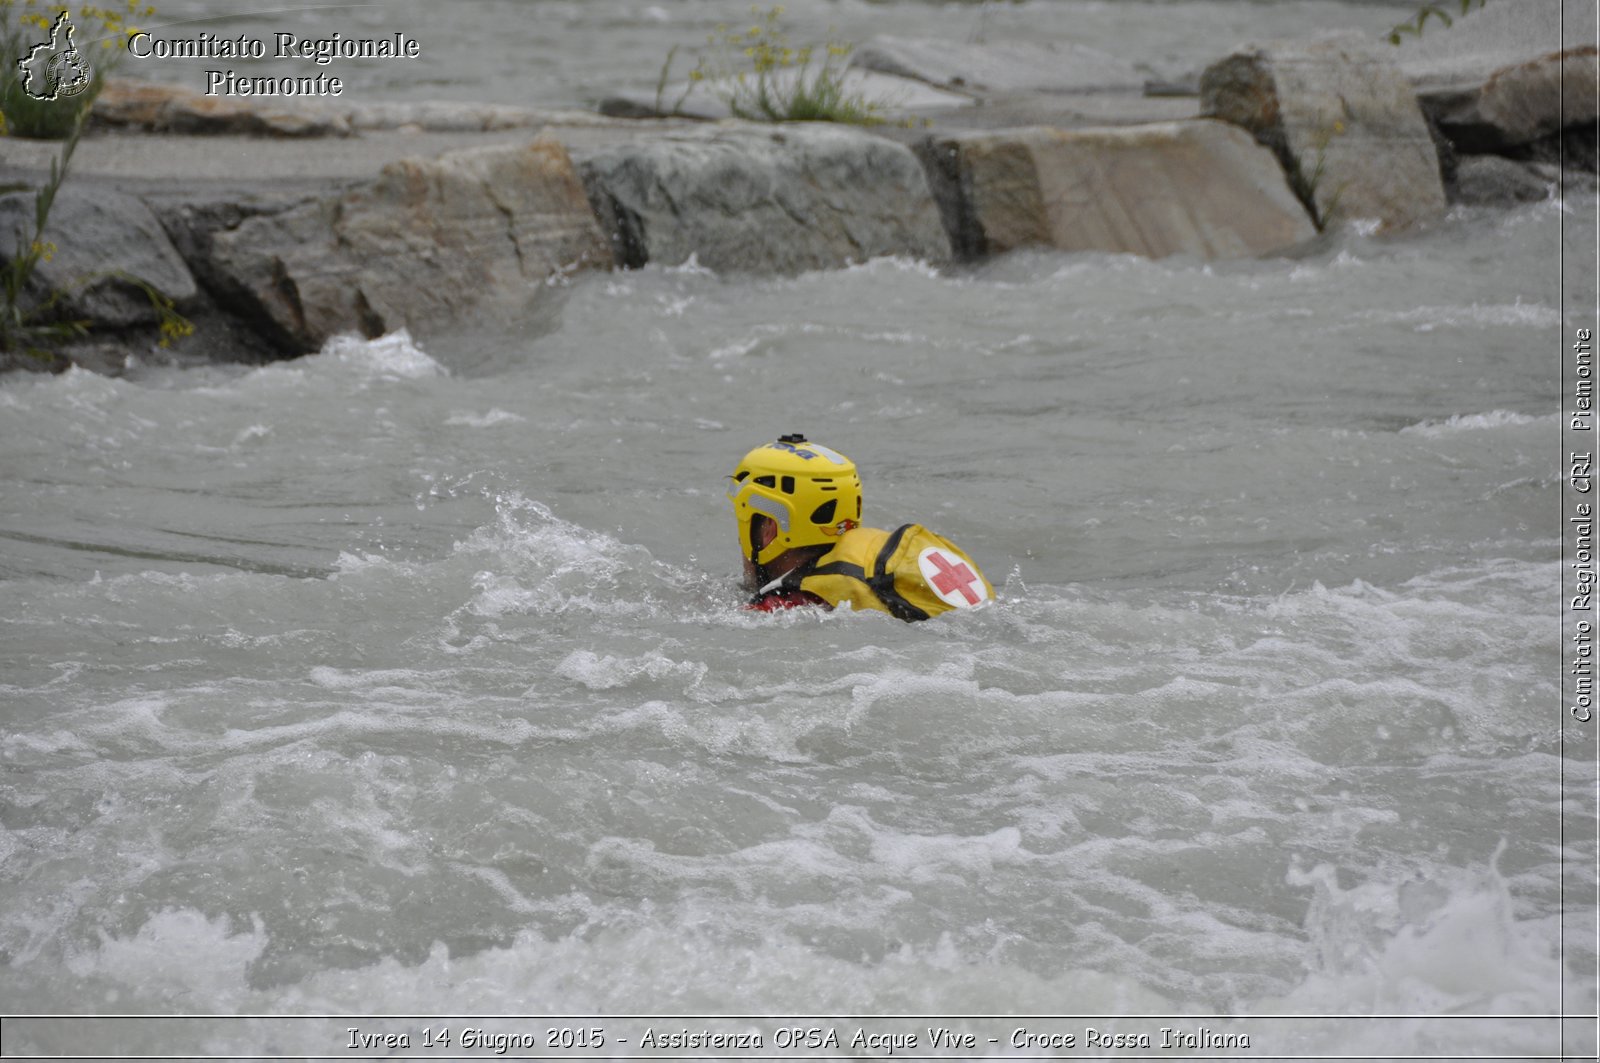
798	507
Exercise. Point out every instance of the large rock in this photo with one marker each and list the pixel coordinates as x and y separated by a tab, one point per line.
1001	67
107	247
1343	121
1508	74
1199	187
764	199
1520	104
428	243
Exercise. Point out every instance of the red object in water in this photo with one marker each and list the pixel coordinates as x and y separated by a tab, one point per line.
772	603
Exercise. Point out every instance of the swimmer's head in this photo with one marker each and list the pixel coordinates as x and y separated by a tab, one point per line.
792	494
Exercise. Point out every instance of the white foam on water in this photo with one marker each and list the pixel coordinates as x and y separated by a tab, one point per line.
1345	260
252	433
16	746
889	264
346	361
918	856
396	679
541	564
390	357
606	672
79	388
689	267
737	349
349	564
375	718
1477	422
467	419
1444	943
1473	315
654	967
178	954
1134	703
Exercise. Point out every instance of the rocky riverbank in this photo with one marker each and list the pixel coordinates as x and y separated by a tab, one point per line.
276	227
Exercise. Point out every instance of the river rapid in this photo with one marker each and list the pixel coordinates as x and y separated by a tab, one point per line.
409	680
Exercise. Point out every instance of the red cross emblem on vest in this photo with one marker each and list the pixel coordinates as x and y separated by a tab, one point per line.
951	578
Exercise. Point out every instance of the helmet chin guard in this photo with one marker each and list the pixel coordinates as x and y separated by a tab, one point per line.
810	492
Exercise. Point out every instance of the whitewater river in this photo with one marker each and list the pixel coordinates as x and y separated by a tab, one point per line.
410	681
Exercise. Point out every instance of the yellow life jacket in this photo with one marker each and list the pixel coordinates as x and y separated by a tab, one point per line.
909	573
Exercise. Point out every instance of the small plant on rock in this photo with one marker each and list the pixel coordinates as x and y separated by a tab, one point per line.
26	328
1414	25
34	323
762	77
1309	185
97	44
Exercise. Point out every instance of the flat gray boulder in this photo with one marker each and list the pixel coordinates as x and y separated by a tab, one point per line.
1198	187
428	243
1342	119
764	199
1000	67
107	246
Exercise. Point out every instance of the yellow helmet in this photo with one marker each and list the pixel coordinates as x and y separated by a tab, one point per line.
811	492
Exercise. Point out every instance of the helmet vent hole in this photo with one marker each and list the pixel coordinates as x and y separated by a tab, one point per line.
741	476
767	481
788	485
823	514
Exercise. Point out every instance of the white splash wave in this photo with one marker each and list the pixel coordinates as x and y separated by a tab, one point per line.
1475	422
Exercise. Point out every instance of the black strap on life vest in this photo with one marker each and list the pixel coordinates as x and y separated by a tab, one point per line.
882	581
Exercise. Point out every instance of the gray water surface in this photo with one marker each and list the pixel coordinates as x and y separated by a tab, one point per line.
394	680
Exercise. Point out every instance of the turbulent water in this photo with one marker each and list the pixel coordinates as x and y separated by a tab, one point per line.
393	680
